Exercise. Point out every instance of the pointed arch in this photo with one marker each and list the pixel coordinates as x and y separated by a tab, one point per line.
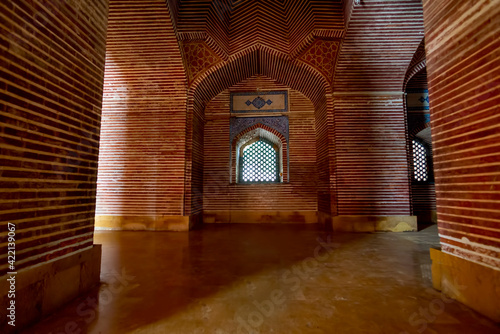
259	60
262	131
265	61
417	64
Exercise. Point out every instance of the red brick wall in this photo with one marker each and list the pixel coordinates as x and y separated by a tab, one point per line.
372	166
299	194
463	52
52	56
326	157
194	177
380	41
142	153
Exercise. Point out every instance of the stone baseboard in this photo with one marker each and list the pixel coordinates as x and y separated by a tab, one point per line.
145	223
259	216
472	284
43	288
374	223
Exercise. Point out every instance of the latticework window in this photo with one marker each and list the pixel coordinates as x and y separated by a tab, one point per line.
420	171
259	163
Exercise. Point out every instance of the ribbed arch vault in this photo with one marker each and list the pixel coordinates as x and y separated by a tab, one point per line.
230	26
264	61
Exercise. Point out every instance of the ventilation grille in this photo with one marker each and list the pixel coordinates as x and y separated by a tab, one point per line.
259	163
419	162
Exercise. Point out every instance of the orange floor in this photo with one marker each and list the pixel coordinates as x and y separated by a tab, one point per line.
265	279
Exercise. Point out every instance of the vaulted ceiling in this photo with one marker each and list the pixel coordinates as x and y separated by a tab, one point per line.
362	45
230	26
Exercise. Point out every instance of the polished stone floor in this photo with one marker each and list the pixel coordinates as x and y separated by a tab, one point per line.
265	279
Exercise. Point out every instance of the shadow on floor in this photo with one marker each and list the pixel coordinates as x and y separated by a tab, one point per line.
245	278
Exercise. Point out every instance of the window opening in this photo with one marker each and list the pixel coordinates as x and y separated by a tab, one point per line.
420	169
259	162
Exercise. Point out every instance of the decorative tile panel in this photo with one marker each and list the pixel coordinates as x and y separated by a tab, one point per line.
321	55
199	58
417	100
244	102
238	124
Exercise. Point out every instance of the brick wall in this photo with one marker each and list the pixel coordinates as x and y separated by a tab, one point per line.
52	56
463	52
372	168
142	158
300	194
326	157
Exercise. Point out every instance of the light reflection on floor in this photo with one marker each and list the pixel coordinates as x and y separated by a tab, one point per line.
265	279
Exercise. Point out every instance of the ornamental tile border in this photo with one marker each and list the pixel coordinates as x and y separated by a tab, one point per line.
258	102
239	124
